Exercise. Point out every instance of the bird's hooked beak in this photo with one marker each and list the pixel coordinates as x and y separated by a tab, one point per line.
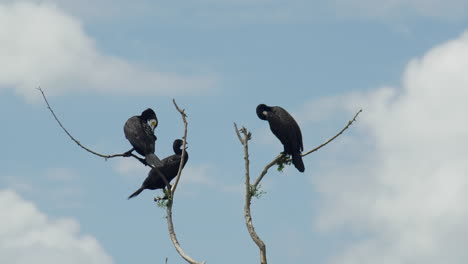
153	124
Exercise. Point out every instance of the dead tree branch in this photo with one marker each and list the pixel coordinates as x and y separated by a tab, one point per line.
275	160
171	189
170	223
265	170
78	142
350	122
248	193
250	190
184	139
92	151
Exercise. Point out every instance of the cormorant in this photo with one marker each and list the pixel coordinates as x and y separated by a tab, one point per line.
139	130
169	168
286	129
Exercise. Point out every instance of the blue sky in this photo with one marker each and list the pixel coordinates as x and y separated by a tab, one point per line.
392	189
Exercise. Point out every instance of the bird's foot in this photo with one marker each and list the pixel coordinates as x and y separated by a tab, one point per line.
162	202
157	199
128	153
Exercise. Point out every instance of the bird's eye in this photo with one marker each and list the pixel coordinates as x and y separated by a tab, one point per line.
264	113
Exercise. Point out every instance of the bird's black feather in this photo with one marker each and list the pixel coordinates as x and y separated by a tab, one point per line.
286	129
169	168
141	135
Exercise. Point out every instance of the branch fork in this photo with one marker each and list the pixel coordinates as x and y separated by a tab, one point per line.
170	189
251	189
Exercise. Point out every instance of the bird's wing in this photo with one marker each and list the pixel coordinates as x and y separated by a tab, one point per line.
172	166
169	168
137	133
286	129
132	129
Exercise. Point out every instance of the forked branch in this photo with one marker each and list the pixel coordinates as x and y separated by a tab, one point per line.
250	189
275	160
170	223
171	190
248	193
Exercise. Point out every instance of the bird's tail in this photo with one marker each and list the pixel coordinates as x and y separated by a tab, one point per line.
153	160
136	193
297	161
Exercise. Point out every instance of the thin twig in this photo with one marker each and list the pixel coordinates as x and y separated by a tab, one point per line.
248	193
170	223
184	138
171	190
275	160
265	170
92	151
76	141
248	188
337	135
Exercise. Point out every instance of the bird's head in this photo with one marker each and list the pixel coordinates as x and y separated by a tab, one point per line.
177	145
262	111
150	117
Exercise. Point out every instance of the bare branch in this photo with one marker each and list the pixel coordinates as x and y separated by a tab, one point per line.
275	160
184	138
77	142
335	136
248	194
265	170
170	223
238	134
174	237
171	190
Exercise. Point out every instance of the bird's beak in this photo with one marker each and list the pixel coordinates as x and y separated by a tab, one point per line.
153	124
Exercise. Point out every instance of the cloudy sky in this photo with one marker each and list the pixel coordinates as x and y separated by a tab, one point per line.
392	189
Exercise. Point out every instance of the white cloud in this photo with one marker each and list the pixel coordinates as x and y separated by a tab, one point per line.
29	236
43	46
60	185
405	192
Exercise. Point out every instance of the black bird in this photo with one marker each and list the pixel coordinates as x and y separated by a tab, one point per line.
139	130
286	129
169	168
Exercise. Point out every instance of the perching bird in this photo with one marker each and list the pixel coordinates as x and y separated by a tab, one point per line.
139	130
286	129
169	168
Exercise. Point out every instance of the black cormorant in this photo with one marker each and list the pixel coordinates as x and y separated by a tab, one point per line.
139	130
286	129
169	168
